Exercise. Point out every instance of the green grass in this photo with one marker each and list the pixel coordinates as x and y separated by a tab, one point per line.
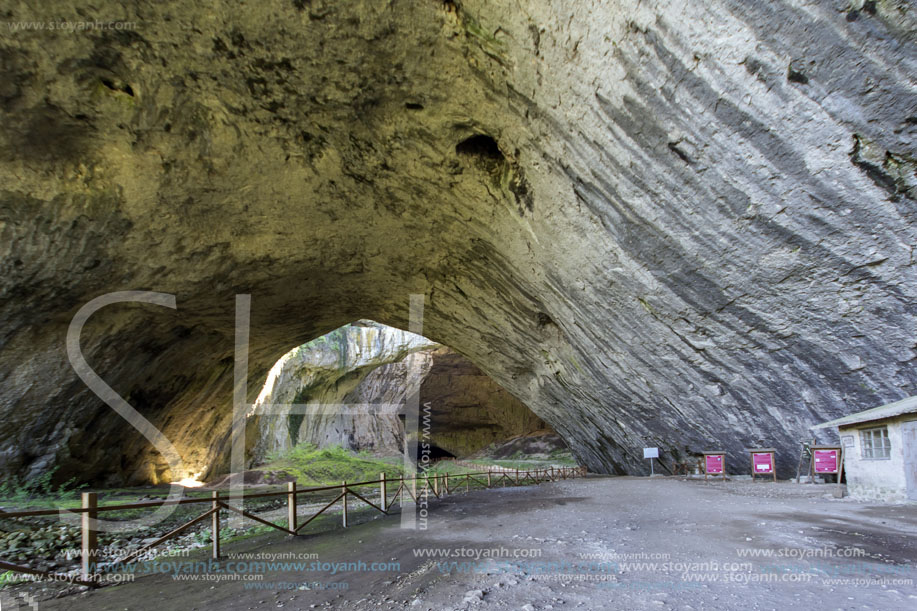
522	465
447	466
559	457
312	466
9	578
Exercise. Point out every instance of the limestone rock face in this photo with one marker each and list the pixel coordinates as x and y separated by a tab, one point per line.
465	409
351	388
680	224
345	388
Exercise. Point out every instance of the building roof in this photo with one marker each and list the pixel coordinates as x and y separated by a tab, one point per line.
905	406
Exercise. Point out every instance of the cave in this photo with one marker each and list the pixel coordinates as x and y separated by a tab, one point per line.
427	455
371	388
649	233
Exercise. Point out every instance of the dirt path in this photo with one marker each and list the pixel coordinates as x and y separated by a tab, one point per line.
580	544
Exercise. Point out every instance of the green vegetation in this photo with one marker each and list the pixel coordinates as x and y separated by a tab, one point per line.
447	466
522	465
294	422
312	466
488	42
9	578
521	460
40	489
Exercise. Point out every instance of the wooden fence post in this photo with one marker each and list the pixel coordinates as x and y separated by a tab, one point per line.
344	498
291	506
467	482
215	524
90	538
446	482
812	463
839	491
488	478
401	489
383	495
517	476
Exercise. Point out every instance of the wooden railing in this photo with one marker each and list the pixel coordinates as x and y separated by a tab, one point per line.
439	485
553	471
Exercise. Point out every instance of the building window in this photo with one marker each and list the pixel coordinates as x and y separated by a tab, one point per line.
874	443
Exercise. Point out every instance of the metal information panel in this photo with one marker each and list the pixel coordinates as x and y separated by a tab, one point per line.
715	464
763	462
826	461
651	453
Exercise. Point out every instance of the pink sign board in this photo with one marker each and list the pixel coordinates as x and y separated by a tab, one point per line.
763	461
825	461
714	463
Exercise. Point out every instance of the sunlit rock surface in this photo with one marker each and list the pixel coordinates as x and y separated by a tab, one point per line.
683	224
353	387
345	388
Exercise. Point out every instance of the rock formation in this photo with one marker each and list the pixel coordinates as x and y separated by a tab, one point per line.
352	385
335	380
683	224
466	410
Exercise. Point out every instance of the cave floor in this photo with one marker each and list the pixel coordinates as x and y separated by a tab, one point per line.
578	544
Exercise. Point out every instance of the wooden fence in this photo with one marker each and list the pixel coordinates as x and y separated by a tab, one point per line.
558	471
438	485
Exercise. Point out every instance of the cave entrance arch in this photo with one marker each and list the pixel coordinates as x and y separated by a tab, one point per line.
353	387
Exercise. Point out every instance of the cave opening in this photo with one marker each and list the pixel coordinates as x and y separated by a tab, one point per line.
483	151
354	389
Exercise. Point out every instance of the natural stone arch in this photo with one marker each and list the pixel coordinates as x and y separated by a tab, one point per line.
672	228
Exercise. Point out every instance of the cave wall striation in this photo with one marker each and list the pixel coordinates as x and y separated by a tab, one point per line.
678	224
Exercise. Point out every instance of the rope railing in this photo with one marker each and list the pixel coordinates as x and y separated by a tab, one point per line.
415	487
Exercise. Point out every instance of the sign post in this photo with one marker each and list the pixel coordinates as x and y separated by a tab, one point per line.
651	453
828	460
763	462
714	464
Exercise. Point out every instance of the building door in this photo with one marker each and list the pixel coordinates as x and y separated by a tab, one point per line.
909	447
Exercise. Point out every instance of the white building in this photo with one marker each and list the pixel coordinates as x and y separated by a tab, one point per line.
880	451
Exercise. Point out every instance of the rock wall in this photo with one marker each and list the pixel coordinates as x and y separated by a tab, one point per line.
466	410
350	388
677	224
325	392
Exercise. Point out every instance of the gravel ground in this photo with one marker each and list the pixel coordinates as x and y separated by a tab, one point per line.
594	543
